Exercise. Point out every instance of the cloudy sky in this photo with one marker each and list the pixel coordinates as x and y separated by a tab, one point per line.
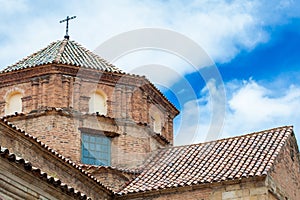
231	67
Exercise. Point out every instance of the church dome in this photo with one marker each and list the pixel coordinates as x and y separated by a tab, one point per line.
63	52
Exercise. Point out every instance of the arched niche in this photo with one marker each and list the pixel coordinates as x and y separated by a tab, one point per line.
97	103
13	103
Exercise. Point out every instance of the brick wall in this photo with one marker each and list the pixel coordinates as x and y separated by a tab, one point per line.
129	98
60	130
57	131
285	176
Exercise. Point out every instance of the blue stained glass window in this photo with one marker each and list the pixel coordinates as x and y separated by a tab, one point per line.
95	149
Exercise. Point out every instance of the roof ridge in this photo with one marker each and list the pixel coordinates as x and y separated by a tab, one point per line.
61	50
234	137
95	55
92	53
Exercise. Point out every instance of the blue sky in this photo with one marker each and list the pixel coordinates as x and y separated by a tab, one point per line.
253	44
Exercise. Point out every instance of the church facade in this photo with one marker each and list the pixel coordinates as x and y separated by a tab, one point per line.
76	127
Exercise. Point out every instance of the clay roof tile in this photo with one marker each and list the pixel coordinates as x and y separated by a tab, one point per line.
232	158
63	52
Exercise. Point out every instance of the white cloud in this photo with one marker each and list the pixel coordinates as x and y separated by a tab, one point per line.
11	7
202	119
251	107
222	28
254	103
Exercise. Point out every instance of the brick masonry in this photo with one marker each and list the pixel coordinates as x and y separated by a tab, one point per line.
285	177
62	132
129	100
57	86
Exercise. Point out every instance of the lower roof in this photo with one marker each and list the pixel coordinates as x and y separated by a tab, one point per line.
20	162
235	158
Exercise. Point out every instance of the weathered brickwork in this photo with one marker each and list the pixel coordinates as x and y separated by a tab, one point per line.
285	177
129	98
64	87
129	101
61	130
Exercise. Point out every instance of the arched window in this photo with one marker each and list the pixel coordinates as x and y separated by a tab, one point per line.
157	123
13	103
98	103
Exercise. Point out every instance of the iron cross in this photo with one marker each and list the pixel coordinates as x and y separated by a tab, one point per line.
67	26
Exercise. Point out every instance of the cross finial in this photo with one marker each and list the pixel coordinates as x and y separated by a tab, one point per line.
67	25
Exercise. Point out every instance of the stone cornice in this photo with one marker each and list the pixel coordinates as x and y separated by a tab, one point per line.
99	132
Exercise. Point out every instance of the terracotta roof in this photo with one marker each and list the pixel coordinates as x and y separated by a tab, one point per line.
4	152
227	159
125	175
64	52
52	151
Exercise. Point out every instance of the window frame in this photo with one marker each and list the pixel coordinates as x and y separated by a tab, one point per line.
100	160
